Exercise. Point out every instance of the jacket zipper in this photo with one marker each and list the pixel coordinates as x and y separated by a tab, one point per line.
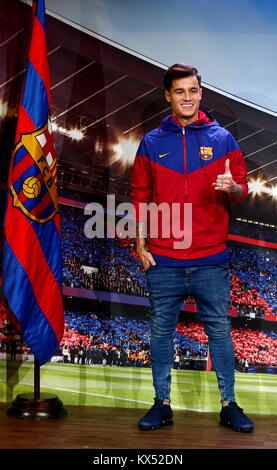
185	162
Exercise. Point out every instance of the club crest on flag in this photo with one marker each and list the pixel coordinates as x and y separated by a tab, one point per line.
206	153
33	185
32	244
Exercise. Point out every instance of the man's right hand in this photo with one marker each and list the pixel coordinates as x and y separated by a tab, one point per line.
144	255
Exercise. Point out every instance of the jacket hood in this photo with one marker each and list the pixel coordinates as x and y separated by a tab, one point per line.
205	119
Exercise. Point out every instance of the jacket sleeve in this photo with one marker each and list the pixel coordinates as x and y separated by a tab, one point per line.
237	167
141	181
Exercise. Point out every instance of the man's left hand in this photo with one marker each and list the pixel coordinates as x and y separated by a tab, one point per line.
225	182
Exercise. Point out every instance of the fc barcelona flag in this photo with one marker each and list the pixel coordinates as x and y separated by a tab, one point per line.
32	265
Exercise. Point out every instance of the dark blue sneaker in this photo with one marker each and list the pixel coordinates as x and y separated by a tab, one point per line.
233	417
158	415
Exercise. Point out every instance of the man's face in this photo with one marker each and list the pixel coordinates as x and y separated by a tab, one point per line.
184	96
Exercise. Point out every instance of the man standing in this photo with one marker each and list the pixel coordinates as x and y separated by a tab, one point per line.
189	161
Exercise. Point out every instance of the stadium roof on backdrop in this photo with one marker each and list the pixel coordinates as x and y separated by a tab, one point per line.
104	99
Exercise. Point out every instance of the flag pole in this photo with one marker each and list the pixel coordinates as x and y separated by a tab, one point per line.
37	405
36	380
36	223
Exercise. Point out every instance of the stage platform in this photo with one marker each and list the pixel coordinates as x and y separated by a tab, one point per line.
94	428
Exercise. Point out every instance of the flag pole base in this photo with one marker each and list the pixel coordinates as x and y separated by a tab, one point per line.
48	406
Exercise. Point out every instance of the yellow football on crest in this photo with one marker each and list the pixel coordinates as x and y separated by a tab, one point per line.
31	187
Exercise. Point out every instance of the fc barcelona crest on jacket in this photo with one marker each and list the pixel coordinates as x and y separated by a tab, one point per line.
206	153
34	175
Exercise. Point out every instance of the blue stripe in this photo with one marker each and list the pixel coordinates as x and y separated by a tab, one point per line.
40	12
213	260
31	171
19	155
166	150
50	242
30	204
34	98
20	296
47	211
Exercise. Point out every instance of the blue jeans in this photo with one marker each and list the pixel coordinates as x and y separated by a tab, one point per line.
168	288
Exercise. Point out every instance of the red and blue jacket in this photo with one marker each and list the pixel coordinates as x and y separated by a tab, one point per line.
176	164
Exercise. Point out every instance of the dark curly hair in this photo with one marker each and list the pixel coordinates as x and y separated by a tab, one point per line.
179	70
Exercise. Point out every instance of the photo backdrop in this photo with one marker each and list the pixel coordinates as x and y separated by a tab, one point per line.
104	99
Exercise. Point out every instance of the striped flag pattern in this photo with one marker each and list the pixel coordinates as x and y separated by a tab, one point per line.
32	264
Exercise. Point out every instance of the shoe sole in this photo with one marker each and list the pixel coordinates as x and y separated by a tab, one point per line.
237	428
155	426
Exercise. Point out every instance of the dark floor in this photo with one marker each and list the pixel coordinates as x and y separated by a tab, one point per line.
114	428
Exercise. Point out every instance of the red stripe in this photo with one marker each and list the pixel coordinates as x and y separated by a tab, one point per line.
21	196
21	167
38	55
72	202
252	241
45	201
24	123
27	249
57	221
